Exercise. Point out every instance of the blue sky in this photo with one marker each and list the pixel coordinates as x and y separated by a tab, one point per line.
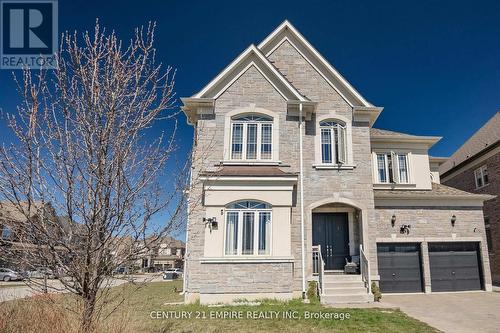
433	65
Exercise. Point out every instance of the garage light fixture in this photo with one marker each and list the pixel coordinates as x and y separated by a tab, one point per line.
453	220
393	220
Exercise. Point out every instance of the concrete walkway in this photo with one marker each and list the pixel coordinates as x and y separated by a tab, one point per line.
470	312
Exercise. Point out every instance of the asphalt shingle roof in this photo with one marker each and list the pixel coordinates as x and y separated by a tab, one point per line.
485	137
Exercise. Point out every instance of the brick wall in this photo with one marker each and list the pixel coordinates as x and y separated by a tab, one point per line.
465	181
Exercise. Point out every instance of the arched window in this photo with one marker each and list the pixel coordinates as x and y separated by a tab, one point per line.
333	142
248	228
251	137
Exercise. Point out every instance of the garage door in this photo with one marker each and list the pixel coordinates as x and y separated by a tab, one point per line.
455	266
399	267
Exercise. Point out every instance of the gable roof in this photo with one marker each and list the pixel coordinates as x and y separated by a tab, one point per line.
484	138
287	32
381	135
250	57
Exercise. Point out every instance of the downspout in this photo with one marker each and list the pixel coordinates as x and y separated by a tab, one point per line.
186	252
302	205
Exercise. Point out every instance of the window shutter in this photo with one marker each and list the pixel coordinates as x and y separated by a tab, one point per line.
395	166
342	145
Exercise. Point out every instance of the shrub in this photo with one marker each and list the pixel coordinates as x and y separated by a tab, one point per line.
377	295
312	292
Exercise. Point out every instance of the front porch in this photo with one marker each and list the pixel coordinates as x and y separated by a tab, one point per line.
339	262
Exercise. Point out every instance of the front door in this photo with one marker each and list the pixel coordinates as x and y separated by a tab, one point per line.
330	231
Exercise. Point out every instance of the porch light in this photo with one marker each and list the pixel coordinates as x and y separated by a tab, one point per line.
453	220
393	220
211	222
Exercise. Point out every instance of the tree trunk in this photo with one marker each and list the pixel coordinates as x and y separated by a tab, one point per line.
87	324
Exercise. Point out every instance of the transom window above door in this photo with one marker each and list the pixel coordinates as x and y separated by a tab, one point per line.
252	137
248	228
333	142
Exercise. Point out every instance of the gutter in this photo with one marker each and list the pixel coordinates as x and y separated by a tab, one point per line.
302	205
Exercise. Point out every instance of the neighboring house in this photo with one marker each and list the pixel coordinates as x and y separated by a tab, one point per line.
16	247
168	254
290	183
475	167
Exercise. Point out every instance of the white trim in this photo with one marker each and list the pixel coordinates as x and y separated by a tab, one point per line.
321	166
245	259
317	143
250	50
336	74
228	135
256	178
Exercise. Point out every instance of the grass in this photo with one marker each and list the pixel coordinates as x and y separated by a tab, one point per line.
135	315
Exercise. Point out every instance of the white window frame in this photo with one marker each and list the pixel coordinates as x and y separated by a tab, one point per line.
245	139
348	163
239	250
394	166
481	171
342	141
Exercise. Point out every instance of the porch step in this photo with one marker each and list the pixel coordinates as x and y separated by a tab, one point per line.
343	284
344	288
349	298
342	277
358	290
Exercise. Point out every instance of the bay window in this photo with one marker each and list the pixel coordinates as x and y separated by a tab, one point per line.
248	228
333	142
392	168
251	137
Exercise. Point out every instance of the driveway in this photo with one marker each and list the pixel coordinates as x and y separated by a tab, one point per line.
451	312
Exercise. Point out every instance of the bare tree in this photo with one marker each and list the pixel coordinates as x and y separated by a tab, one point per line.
87	151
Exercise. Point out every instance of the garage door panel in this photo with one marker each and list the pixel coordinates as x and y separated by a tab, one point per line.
454	267
399	268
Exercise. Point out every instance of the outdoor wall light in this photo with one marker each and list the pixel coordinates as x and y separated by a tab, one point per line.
393	220
453	220
211	222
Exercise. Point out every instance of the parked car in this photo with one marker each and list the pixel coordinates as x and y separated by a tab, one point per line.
7	275
175	270
123	270
170	275
41	273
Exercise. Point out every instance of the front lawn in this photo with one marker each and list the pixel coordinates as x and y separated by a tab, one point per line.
144	310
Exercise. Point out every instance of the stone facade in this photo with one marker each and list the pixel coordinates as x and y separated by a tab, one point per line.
464	180
432	224
348	189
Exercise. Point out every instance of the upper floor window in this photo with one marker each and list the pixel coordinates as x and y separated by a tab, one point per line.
248	228
393	168
333	142
481	176
251	137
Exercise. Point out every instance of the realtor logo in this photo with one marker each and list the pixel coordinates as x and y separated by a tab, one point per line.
28	33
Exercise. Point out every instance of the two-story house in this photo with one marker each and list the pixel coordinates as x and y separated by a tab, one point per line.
475	167
291	183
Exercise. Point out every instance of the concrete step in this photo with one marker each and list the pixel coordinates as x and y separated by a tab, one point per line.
352	298
342	277
344	284
345	291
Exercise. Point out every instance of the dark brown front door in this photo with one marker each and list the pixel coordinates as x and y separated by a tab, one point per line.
331	232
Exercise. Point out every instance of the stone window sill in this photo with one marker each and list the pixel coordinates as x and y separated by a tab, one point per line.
334	166
246	162
256	259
